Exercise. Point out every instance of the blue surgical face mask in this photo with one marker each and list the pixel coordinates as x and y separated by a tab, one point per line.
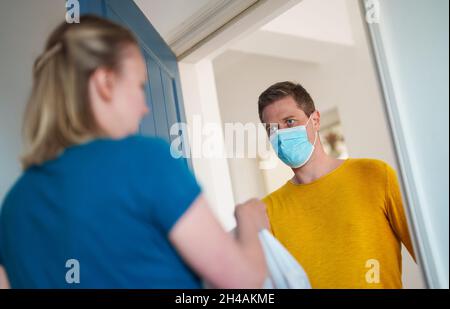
293	146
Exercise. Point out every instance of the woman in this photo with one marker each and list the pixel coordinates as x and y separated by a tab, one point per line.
99	207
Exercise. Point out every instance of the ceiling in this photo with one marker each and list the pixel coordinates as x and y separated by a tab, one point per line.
311	31
321	20
167	16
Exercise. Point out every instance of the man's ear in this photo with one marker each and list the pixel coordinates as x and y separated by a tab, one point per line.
316	120
103	83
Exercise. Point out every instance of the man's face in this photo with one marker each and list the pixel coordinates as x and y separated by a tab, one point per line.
285	113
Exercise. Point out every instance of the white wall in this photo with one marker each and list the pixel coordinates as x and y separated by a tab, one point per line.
24	26
302	21
199	90
347	81
415	38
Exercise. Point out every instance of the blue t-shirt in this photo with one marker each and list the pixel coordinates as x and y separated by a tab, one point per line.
100	212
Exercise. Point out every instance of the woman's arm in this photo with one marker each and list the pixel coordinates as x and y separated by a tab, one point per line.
4	284
218	258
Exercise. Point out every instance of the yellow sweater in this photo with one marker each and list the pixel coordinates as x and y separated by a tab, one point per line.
345	228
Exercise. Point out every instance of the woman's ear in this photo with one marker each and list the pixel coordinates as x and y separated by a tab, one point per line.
103	83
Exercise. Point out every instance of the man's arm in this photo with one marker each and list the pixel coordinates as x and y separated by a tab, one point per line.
395	210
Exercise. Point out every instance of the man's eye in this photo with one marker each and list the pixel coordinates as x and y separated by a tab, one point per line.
290	121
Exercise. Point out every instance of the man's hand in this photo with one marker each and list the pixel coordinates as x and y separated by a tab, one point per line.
252	212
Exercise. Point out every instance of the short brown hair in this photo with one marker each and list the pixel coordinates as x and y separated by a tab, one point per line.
282	90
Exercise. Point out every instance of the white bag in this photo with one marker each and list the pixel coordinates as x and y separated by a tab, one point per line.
284	272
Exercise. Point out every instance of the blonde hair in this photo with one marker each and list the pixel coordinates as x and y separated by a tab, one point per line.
58	112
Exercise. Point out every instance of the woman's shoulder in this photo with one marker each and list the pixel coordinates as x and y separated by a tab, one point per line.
146	147
148	153
103	154
145	142
130	148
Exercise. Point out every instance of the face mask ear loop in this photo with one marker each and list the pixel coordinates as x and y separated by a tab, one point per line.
306	125
315	138
315	135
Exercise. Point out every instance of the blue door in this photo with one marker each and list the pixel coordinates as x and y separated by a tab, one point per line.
163	90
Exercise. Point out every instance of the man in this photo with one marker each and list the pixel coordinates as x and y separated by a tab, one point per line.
343	220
